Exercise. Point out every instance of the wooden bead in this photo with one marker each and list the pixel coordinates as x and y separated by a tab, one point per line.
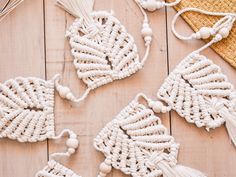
63	91
146	31
72	143
159	4
104	168
156	106
148	39
164	109
71	150
73	136
69	96
205	32
224	32
150	5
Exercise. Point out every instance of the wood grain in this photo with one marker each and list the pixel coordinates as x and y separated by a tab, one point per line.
33	44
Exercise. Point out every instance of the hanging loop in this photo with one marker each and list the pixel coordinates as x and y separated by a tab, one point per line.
157	106
221	27
66	93
218	31
72	143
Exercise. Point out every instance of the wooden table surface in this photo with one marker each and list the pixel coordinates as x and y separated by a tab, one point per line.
33	44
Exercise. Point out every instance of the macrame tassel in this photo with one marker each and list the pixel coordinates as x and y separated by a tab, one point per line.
183	171
178	171
230	123
78	8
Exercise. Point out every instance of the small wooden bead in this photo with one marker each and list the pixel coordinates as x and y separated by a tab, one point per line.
72	143
63	91
73	136
164	109
205	32
150	5
101	175
71	150
146	31
69	96
104	168
148	39
224	32
159	5
156	106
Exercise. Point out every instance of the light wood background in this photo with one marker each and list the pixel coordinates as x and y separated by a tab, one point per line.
33	44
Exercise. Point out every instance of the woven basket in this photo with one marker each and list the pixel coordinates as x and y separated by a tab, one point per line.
227	47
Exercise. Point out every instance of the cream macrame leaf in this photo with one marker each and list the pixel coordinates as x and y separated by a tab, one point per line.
26	109
199	92
138	144
103	52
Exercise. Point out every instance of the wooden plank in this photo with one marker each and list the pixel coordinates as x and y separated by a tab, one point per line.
104	103
211	152
22	54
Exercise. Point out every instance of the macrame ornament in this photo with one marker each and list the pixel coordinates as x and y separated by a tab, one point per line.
27	108
103	50
6	6
27	115
138	144
197	89
54	168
